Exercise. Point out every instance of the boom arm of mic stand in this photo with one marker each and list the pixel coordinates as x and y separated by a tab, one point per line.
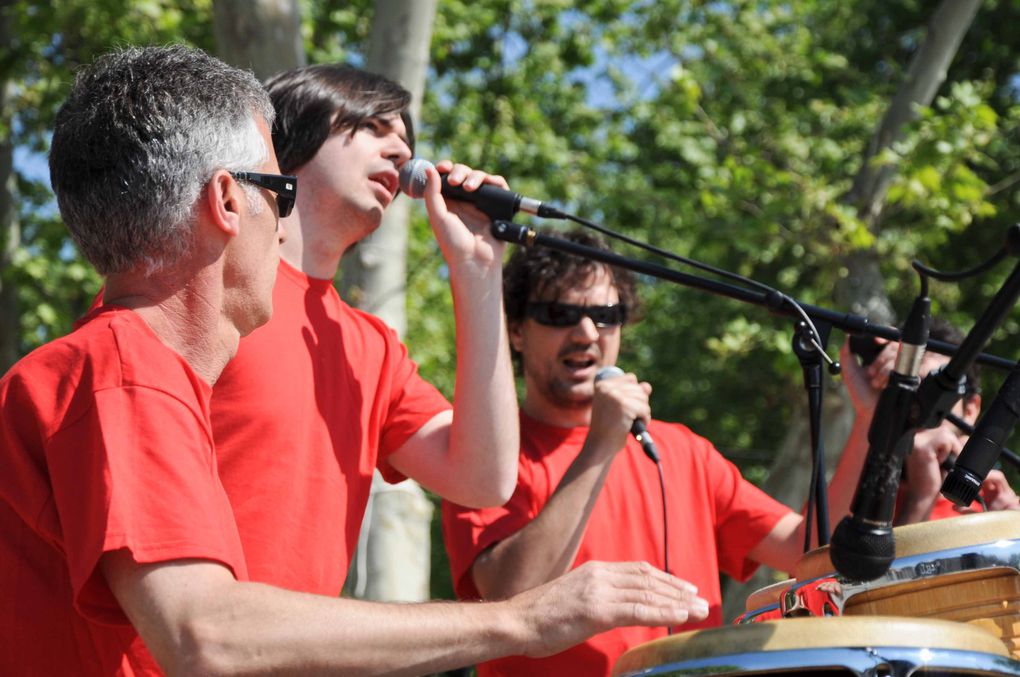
849	323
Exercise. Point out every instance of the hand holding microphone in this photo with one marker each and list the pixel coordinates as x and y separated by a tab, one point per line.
496	202
637	428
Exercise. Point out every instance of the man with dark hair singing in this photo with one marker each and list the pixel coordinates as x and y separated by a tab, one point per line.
586	490
324	394
125	547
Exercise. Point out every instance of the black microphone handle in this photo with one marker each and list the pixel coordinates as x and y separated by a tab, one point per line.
495	202
641	434
637	428
963	483
862	546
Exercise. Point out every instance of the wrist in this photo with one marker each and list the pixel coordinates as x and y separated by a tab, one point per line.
513	627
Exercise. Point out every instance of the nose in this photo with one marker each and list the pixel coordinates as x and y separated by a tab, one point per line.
586	328
281	230
397	151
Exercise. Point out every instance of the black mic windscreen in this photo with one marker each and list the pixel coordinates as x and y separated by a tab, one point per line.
860	552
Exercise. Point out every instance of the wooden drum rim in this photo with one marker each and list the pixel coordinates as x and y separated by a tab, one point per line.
810	633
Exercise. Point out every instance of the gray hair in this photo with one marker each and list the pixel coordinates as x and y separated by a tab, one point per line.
141	133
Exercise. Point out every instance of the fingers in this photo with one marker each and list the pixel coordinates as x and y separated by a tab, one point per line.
878	371
434	202
467	178
461	231
598	596
623	398
637	593
858	385
997	492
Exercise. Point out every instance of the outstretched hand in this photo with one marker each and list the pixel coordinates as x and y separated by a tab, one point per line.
599	596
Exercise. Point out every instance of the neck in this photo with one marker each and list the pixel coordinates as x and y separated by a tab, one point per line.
559	416
189	320
315	247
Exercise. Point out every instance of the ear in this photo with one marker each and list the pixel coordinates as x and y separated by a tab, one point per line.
971	409
516	336
223	197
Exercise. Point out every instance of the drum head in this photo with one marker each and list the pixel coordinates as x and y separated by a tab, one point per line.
925	537
809	633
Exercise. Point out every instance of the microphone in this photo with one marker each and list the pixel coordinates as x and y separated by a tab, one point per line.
963	483
497	203
863	546
637	429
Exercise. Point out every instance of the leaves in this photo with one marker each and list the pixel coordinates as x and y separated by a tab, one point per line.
728	132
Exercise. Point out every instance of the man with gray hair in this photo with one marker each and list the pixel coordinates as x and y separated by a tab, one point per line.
119	547
165	175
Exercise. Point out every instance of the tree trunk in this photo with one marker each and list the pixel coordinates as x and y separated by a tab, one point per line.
862	291
393	558
261	35
10	233
925	75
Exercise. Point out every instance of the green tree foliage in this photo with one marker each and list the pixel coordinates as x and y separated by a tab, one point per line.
725	131
730	132
48	41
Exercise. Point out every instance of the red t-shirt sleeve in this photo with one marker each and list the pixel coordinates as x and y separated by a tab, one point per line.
413	403
468	532
136	470
744	514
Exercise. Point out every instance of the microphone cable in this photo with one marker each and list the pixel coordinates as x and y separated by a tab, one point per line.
665	528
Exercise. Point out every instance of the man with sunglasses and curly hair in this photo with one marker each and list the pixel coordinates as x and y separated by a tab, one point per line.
587	490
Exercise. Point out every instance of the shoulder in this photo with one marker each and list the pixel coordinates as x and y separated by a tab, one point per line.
680	434
113	350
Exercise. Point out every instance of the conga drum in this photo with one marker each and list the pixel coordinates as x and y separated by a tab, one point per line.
962	569
892	646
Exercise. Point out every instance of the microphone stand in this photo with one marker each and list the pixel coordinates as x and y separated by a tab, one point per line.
773	301
811	355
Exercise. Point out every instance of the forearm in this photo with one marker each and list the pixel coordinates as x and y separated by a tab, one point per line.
197	620
484	439
546	547
915	508
848	470
259	628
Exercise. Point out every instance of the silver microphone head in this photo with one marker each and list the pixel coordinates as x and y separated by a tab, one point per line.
608	372
412	177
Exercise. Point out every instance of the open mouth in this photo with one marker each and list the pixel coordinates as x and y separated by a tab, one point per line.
389	181
579	363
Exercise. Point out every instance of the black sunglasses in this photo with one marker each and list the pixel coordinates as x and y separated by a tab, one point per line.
283	185
553	314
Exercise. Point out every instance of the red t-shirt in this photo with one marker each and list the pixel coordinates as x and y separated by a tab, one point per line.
943	507
106	444
716	519
312	403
